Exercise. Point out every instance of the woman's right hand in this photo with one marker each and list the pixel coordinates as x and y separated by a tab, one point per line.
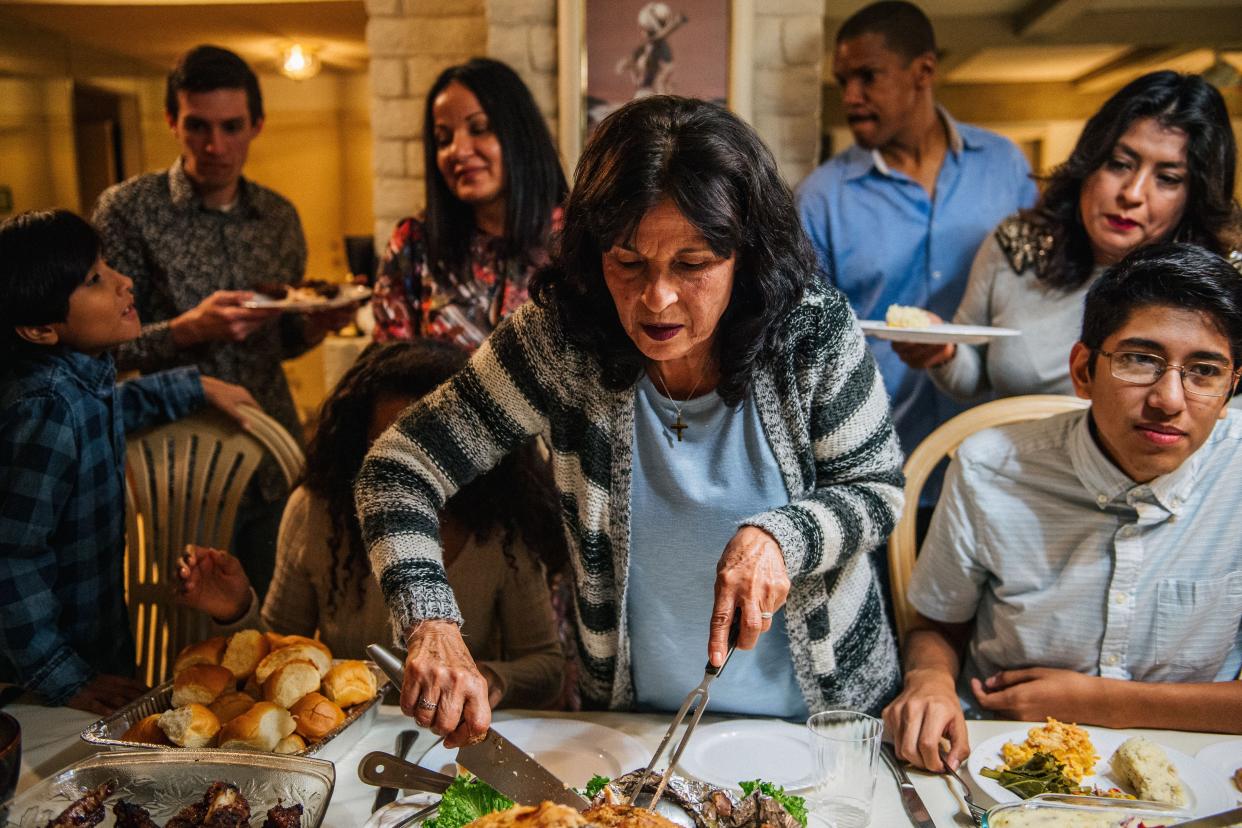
443	689
918	355
214	582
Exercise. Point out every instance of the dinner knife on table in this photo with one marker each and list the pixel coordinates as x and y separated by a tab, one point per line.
495	759
910	799
1230	817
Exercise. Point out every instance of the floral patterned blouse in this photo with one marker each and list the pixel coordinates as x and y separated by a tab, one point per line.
414	299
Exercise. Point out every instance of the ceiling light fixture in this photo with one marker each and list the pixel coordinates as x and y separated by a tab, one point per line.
299	62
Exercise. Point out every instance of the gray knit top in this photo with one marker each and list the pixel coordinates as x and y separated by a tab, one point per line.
825	413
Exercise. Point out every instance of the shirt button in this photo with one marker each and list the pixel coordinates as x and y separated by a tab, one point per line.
935	274
1102	500
1128	531
1119	598
1112	660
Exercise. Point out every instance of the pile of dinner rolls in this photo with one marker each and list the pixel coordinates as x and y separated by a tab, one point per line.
256	691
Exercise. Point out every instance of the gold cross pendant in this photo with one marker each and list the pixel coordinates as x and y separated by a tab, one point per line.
679	426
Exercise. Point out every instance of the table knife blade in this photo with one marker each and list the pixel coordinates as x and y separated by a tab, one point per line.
916	810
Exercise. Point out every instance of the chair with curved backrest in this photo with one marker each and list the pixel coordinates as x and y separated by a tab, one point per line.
943	442
183	485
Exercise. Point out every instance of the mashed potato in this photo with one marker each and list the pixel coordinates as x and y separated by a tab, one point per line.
905	316
1143	765
1069	744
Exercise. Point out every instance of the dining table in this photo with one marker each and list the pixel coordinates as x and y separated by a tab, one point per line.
50	741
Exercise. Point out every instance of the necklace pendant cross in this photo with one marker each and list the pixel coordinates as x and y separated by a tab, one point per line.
678	426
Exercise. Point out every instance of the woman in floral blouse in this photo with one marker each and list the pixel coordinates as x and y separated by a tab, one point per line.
492	203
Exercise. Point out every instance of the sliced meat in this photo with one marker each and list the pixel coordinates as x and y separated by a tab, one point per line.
87	810
280	816
129	815
226	807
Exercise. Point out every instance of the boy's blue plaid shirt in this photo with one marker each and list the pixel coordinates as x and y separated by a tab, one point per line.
63	421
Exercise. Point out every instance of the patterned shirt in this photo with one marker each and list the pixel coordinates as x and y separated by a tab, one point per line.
414	299
63	421
1064	561
157	231
824	412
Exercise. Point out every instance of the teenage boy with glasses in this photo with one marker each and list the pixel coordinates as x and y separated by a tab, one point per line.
1087	566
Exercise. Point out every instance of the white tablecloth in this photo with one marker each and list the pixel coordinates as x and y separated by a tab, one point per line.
50	741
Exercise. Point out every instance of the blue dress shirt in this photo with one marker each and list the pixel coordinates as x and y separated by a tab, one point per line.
883	240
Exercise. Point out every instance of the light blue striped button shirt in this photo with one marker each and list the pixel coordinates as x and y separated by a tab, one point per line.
1064	561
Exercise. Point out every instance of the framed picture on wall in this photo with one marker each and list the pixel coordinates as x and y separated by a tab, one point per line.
613	51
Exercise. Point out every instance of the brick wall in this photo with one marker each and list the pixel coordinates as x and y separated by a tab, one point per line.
412	40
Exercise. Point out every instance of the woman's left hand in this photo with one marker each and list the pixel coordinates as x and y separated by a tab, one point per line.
750	578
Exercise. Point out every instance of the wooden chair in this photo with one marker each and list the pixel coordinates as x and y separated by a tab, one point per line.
184	483
943	442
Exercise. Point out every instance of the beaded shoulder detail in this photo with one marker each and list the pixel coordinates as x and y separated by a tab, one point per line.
1026	245
1235	259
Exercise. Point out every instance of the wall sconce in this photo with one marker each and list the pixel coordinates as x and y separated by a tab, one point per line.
299	62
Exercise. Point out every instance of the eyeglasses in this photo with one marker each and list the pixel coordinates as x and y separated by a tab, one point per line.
1204	379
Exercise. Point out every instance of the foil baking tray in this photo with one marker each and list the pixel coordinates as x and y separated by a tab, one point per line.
166	781
106	733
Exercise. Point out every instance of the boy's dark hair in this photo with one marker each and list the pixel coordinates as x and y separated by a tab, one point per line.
208	68
44	256
534	181
904	27
1175	101
1174	275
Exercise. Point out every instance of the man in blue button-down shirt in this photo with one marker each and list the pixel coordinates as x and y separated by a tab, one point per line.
897	218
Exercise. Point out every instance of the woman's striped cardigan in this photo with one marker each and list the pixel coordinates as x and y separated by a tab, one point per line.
825	413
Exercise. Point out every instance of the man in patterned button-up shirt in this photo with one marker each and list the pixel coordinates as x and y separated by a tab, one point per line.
197	239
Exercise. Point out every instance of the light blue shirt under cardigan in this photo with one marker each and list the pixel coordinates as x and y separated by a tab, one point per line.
882	240
1063	561
686	501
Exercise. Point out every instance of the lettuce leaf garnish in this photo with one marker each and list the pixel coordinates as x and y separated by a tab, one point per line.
466	800
793	804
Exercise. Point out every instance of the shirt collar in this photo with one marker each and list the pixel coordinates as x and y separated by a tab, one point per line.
181	189
1107	484
874	160
95	374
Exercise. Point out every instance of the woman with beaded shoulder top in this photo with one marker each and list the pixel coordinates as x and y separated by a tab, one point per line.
494	189
1156	163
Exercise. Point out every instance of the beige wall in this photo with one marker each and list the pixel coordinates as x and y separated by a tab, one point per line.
37	157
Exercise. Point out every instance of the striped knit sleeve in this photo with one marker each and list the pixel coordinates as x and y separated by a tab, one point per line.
856	496
457	432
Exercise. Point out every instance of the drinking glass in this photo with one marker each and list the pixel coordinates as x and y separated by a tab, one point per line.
846	746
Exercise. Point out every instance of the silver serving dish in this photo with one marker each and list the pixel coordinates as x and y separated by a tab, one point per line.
106	733
164	782
1067	809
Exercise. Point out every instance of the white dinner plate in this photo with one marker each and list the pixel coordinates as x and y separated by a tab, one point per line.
935	334
1206	792
574	751
348	295
1225	757
726	753
397	810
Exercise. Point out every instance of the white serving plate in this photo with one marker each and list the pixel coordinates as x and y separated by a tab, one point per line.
726	753
348	295
936	334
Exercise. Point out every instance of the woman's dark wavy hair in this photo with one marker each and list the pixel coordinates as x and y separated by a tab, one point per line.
534	181
1185	102
517	496
717	171
44	256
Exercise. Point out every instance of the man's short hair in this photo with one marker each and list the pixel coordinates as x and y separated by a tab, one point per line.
904	27
1174	275
44	257
208	68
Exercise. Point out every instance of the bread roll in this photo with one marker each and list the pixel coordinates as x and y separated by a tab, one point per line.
259	728
146	731
316	715
201	684
278	641
192	726
230	705
290	744
349	683
204	652
244	652
291	682
253	689
296	652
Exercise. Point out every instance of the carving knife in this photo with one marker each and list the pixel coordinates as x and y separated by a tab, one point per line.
495	759
910	799
1230	817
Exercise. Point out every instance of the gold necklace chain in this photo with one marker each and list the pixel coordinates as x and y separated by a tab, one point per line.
678	425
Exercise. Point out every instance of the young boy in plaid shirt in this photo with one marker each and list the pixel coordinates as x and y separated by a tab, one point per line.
64	629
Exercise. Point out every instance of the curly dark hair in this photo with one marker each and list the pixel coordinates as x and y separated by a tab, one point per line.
1185	102
516	497
534	181
717	171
